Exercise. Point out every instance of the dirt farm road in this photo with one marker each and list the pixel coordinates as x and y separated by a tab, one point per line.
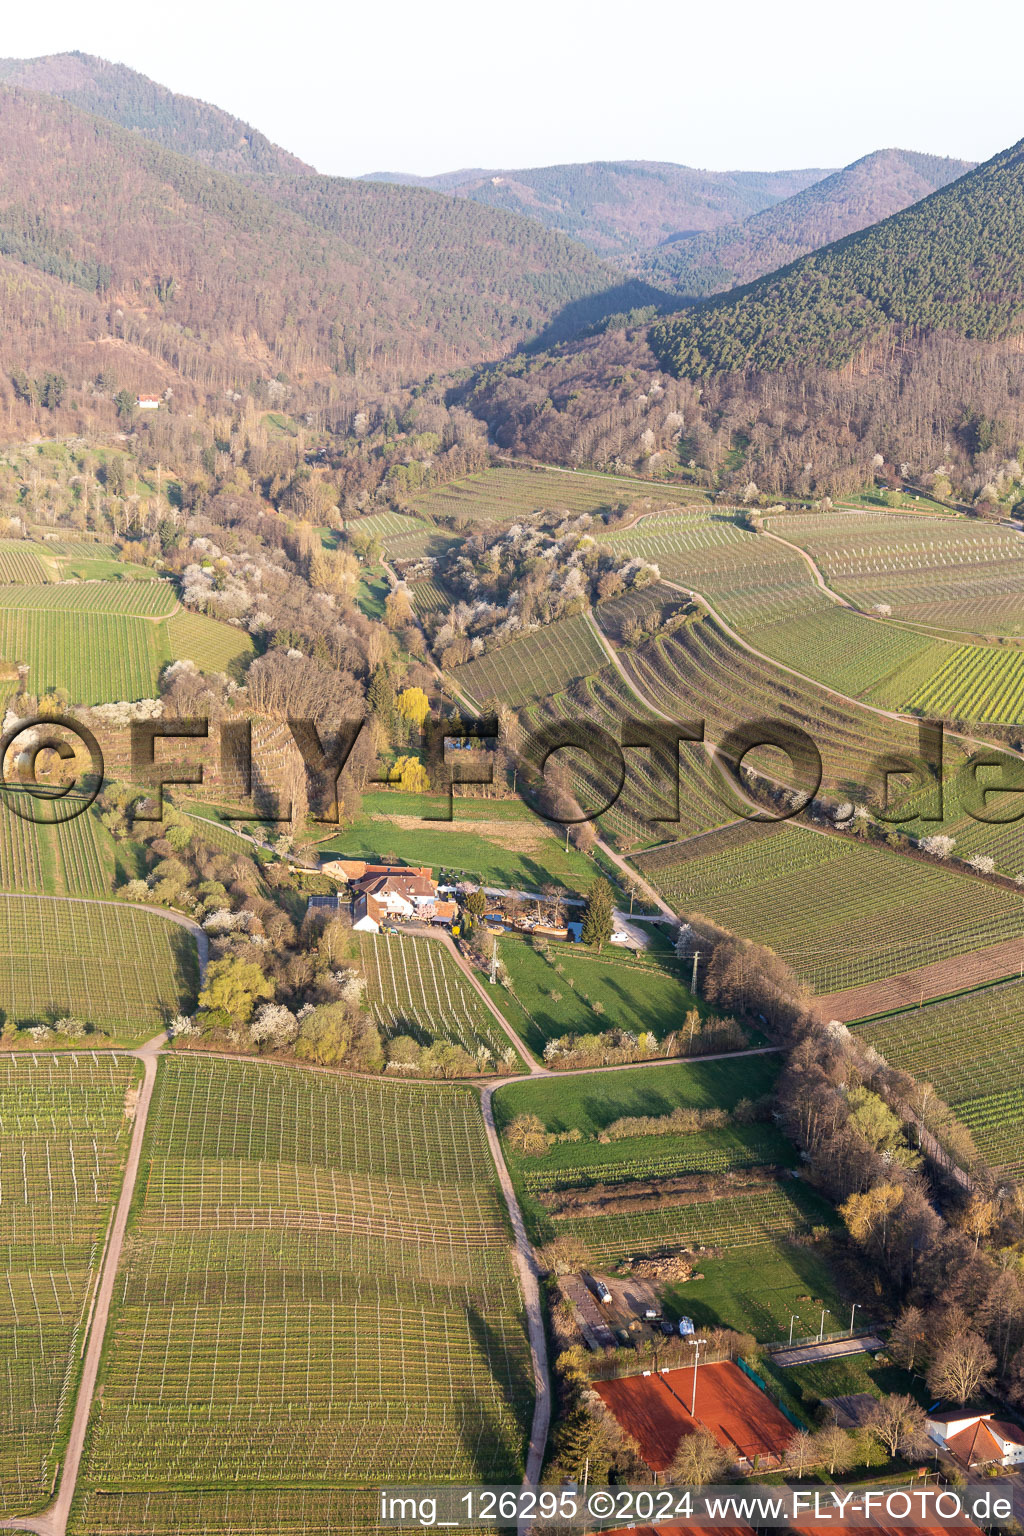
54	1521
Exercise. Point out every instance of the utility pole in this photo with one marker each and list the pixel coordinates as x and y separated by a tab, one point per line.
794	1318
821	1331
697	1346
853	1309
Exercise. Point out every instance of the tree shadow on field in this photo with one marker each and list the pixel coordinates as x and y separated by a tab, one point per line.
495	1451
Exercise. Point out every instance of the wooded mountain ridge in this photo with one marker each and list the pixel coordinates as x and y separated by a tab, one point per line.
620	207
222	278
902	341
849	200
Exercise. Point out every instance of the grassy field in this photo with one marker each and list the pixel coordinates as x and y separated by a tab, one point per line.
590	1103
510	493
840	912
372	591
64	1136
414	987
587	1106
318	1293
540	663
758	1287
971	1050
500	843
595	992
119	969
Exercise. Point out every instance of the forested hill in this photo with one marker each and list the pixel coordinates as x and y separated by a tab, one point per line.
180	123
849	200
953	263
224	278
618	207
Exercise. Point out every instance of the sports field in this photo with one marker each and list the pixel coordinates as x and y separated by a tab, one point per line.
109	965
318	1295
658	1410
64	1130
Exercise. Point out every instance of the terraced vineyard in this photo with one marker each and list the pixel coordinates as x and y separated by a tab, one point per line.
971	1050
946	571
842	913
982	683
139	599
648	606
342	1306
213	646
540	663
64	1134
97	657
428	597
701	673
511	493
402	538
769	594
645	809
414	987
20	561
122	970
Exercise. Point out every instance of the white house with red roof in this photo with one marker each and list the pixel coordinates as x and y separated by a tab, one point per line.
977	1439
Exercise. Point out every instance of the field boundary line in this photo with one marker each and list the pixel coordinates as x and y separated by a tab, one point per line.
529	1275
54	1520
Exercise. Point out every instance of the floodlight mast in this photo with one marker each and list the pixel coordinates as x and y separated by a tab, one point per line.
696	1344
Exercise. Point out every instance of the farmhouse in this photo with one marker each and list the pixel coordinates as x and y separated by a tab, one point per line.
353	870
148	402
398	895
978	1439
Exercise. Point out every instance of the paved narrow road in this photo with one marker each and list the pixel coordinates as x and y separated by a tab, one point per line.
54	1520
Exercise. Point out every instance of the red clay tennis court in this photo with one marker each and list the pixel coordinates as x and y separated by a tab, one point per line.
655	1411
681	1530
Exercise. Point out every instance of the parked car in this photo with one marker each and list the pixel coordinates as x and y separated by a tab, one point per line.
686	1327
667	1328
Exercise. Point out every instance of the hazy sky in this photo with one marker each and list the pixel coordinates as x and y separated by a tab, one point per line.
427	88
